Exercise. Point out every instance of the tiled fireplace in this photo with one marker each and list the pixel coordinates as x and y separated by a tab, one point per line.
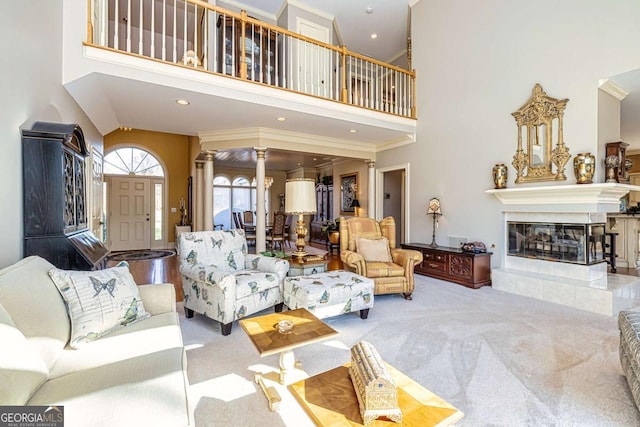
554	247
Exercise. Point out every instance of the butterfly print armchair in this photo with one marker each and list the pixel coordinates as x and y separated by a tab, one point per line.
223	282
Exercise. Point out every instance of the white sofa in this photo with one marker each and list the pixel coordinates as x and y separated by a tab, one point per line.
133	376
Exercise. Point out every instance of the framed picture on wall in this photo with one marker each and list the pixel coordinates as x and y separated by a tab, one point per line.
348	193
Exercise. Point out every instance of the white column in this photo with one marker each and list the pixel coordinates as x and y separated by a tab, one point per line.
261	243
371	197
199	192
208	191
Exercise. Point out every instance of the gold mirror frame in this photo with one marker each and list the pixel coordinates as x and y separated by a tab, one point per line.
536	119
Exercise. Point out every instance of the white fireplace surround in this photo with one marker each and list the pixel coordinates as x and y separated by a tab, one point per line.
586	287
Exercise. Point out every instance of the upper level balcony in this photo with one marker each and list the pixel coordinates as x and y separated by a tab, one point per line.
237	73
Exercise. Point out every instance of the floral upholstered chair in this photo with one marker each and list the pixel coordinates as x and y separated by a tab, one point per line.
222	281
367	247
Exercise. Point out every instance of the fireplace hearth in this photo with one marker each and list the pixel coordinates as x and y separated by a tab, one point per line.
554	247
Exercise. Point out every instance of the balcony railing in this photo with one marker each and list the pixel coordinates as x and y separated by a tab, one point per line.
192	33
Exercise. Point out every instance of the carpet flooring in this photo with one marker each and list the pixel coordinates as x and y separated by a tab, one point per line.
502	359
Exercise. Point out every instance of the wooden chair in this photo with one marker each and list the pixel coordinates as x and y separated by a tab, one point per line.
277	232
287	229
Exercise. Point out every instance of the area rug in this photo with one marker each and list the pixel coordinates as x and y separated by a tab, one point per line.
140	255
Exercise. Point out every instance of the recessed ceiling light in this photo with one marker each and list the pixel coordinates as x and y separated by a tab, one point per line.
281	119
182	102
374	36
314	159
353	130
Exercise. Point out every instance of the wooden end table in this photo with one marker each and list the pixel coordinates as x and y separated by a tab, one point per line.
330	400
263	332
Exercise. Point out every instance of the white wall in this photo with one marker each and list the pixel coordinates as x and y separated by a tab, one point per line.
477	62
31	91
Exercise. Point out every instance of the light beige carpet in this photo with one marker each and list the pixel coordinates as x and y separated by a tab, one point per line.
502	359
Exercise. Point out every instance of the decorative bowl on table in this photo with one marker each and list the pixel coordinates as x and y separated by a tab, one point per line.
284	326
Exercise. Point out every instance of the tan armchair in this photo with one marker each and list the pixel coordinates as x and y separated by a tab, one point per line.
389	277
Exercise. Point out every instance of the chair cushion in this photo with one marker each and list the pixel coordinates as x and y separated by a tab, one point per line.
375	250
254	281
99	301
384	269
22	370
224	249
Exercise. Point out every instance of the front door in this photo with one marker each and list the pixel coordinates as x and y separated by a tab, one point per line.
129	213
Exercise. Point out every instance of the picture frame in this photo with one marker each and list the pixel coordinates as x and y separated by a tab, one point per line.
348	193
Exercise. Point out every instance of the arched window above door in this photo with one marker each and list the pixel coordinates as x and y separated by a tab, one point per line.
132	161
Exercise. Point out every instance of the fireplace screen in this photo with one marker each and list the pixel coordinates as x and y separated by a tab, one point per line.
574	243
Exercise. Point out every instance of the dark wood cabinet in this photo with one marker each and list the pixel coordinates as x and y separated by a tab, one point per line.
324	212
259	50
55	209
454	265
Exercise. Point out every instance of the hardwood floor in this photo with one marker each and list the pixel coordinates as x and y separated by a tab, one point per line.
166	270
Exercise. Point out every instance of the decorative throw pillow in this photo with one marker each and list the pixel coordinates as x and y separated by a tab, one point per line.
374	250
98	301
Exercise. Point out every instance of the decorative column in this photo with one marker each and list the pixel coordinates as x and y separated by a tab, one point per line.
199	192
261	216
371	197
208	191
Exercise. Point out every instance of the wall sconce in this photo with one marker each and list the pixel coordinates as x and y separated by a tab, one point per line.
355	204
436	211
300	199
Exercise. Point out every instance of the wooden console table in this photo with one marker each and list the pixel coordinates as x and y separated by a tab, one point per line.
470	269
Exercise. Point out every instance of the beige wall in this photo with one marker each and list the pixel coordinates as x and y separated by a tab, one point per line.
349	167
173	151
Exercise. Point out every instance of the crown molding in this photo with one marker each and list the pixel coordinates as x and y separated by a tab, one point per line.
398	142
250	9
273	138
310	9
612	89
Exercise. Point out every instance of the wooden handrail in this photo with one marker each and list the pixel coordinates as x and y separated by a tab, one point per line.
342	51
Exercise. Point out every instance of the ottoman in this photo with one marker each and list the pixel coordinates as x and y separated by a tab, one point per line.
329	294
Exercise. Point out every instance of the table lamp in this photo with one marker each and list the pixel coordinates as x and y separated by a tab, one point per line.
355	204
436	211
300	199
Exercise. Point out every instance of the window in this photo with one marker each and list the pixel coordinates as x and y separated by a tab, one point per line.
236	196
132	161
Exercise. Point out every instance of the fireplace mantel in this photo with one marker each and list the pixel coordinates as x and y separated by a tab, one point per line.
590	198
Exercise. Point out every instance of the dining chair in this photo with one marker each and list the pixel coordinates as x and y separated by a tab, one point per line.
277	232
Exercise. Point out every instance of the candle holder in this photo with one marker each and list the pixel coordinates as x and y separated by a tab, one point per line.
435	211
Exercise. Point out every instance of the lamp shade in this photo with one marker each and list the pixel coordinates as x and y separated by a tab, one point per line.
434	207
355	203
300	196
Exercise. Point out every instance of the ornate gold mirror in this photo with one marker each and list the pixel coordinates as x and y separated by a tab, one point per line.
539	123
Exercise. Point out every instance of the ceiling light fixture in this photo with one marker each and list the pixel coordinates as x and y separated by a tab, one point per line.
182	102
374	36
369	10
353	130
281	119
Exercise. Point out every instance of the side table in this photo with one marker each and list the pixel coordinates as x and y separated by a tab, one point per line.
308	265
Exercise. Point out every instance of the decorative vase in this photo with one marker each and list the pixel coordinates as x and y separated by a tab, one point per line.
612	162
500	173
334	237
584	166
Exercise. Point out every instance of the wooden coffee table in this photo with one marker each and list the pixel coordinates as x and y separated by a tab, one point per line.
264	335
330	400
